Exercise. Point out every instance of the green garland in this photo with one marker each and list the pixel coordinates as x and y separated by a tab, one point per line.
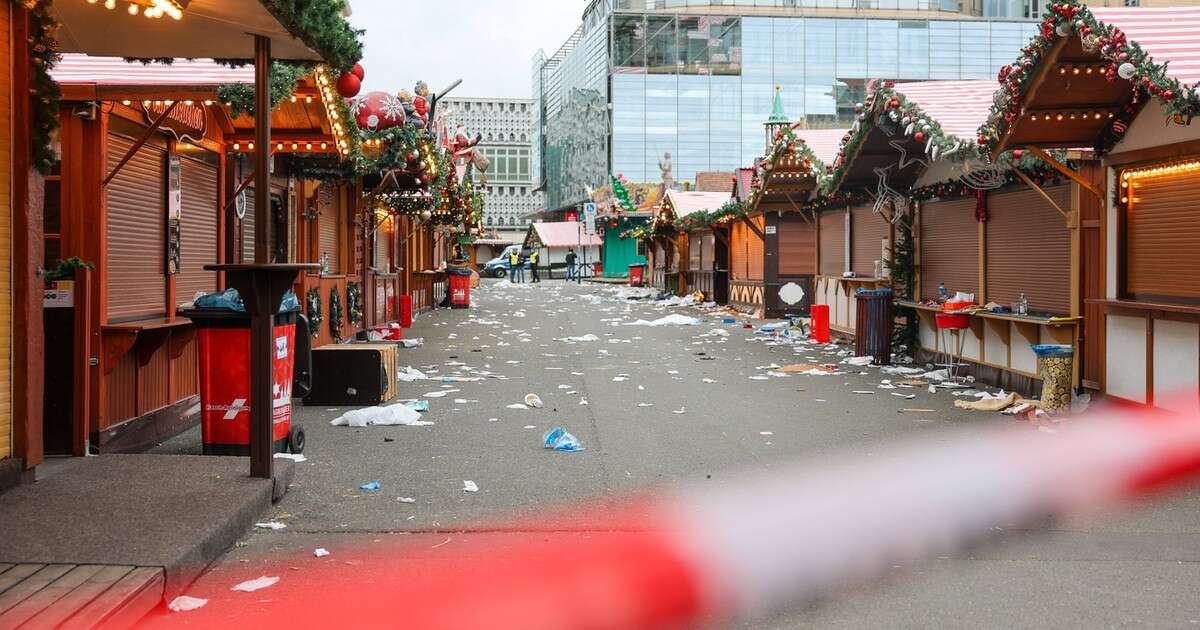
335	314
354	308
733	209
240	96
786	143
312	301
1069	18
622	194
44	92
320	25
904	272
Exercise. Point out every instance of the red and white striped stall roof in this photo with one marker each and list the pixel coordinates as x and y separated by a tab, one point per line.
960	107
85	70
823	142
1168	34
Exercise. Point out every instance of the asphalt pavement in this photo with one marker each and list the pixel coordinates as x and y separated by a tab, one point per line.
669	407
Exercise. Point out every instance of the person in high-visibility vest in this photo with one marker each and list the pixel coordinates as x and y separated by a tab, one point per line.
516	272
533	262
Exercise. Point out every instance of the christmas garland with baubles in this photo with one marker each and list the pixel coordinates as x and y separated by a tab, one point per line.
335	314
786	143
312	303
44	92
354	306
1125	60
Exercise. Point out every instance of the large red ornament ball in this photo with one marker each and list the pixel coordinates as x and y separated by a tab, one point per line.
358	71
919	136
349	85
1017	153
378	110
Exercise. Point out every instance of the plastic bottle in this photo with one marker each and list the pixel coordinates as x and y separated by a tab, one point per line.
1022	305
943	294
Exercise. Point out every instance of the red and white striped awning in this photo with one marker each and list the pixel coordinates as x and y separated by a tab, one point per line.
1168	34
85	70
960	107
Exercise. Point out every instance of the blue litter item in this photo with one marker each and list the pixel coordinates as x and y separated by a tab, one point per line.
370	487
1045	350
230	300
560	439
418	405
729	320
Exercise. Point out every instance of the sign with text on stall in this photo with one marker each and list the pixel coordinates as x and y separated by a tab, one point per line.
589	218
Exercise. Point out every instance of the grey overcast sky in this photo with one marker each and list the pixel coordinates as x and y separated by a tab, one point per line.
489	44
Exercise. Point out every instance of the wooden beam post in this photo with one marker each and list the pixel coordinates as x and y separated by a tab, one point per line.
141	141
1066	171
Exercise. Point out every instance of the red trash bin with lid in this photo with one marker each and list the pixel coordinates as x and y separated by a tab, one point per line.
223	344
460	287
637	275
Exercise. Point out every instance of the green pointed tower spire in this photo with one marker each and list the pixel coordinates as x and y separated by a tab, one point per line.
777	113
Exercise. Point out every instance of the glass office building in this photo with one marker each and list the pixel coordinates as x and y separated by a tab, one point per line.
642	78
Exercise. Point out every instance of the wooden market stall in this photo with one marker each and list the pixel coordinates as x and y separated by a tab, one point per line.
689	213
997	232
1141	328
554	240
152	186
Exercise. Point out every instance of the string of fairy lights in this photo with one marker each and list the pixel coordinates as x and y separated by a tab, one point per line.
148	8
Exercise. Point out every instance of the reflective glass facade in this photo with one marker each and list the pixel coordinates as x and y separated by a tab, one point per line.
700	86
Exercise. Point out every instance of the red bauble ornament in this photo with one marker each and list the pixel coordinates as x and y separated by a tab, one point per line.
1168	94
412	157
349	85
358	71
919	136
376	111
1017	153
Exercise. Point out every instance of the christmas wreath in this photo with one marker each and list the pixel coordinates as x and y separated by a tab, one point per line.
335	314
312	301
354	309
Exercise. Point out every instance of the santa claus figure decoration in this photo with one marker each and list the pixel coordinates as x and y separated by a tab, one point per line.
377	111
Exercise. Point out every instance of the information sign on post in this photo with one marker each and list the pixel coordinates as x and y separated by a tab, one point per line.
589	218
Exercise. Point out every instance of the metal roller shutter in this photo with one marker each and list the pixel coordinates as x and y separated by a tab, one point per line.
949	247
199	225
137	226
1029	249
248	227
833	243
6	289
868	230
695	251
797	246
707	250
1162	236
754	247
328	227
738	251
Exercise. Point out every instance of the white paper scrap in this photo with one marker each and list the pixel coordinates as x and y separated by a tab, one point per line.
184	603
249	586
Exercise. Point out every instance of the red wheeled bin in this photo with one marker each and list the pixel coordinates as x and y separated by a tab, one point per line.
637	275
460	287
223	338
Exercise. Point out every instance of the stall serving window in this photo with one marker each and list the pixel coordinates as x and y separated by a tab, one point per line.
833	243
695	251
1029	249
746	250
868	231
136	227
248	227
199	224
797	246
949	247
1160	230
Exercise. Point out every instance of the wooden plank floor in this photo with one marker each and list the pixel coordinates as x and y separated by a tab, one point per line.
82	596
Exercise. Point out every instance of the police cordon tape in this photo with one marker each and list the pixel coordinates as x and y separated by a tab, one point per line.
764	542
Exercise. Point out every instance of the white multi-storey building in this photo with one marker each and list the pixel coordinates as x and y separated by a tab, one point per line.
506	125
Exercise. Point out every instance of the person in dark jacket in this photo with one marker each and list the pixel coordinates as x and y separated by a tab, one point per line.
571	263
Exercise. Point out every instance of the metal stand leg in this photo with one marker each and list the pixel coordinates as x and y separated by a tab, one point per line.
951	363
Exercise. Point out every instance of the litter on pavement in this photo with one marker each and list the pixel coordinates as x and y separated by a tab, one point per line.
412	343
320	552
560	439
275	525
249	586
409	374
674	319
532	400
185	603
295	457
392	415
469	486
581	339
370	486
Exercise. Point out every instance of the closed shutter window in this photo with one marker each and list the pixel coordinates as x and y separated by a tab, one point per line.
328	227
868	231
1162	237
949	247
137	226
198	245
797	246
694	251
738	250
248	228
1029	250
754	261
707	254
833	243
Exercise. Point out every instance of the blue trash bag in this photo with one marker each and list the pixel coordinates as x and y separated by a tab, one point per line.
230	300
560	439
1053	350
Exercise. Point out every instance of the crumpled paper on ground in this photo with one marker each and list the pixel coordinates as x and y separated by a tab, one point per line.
674	319
988	403
380	416
249	586
184	603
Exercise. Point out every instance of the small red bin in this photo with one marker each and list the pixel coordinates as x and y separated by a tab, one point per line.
953	320
820	322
